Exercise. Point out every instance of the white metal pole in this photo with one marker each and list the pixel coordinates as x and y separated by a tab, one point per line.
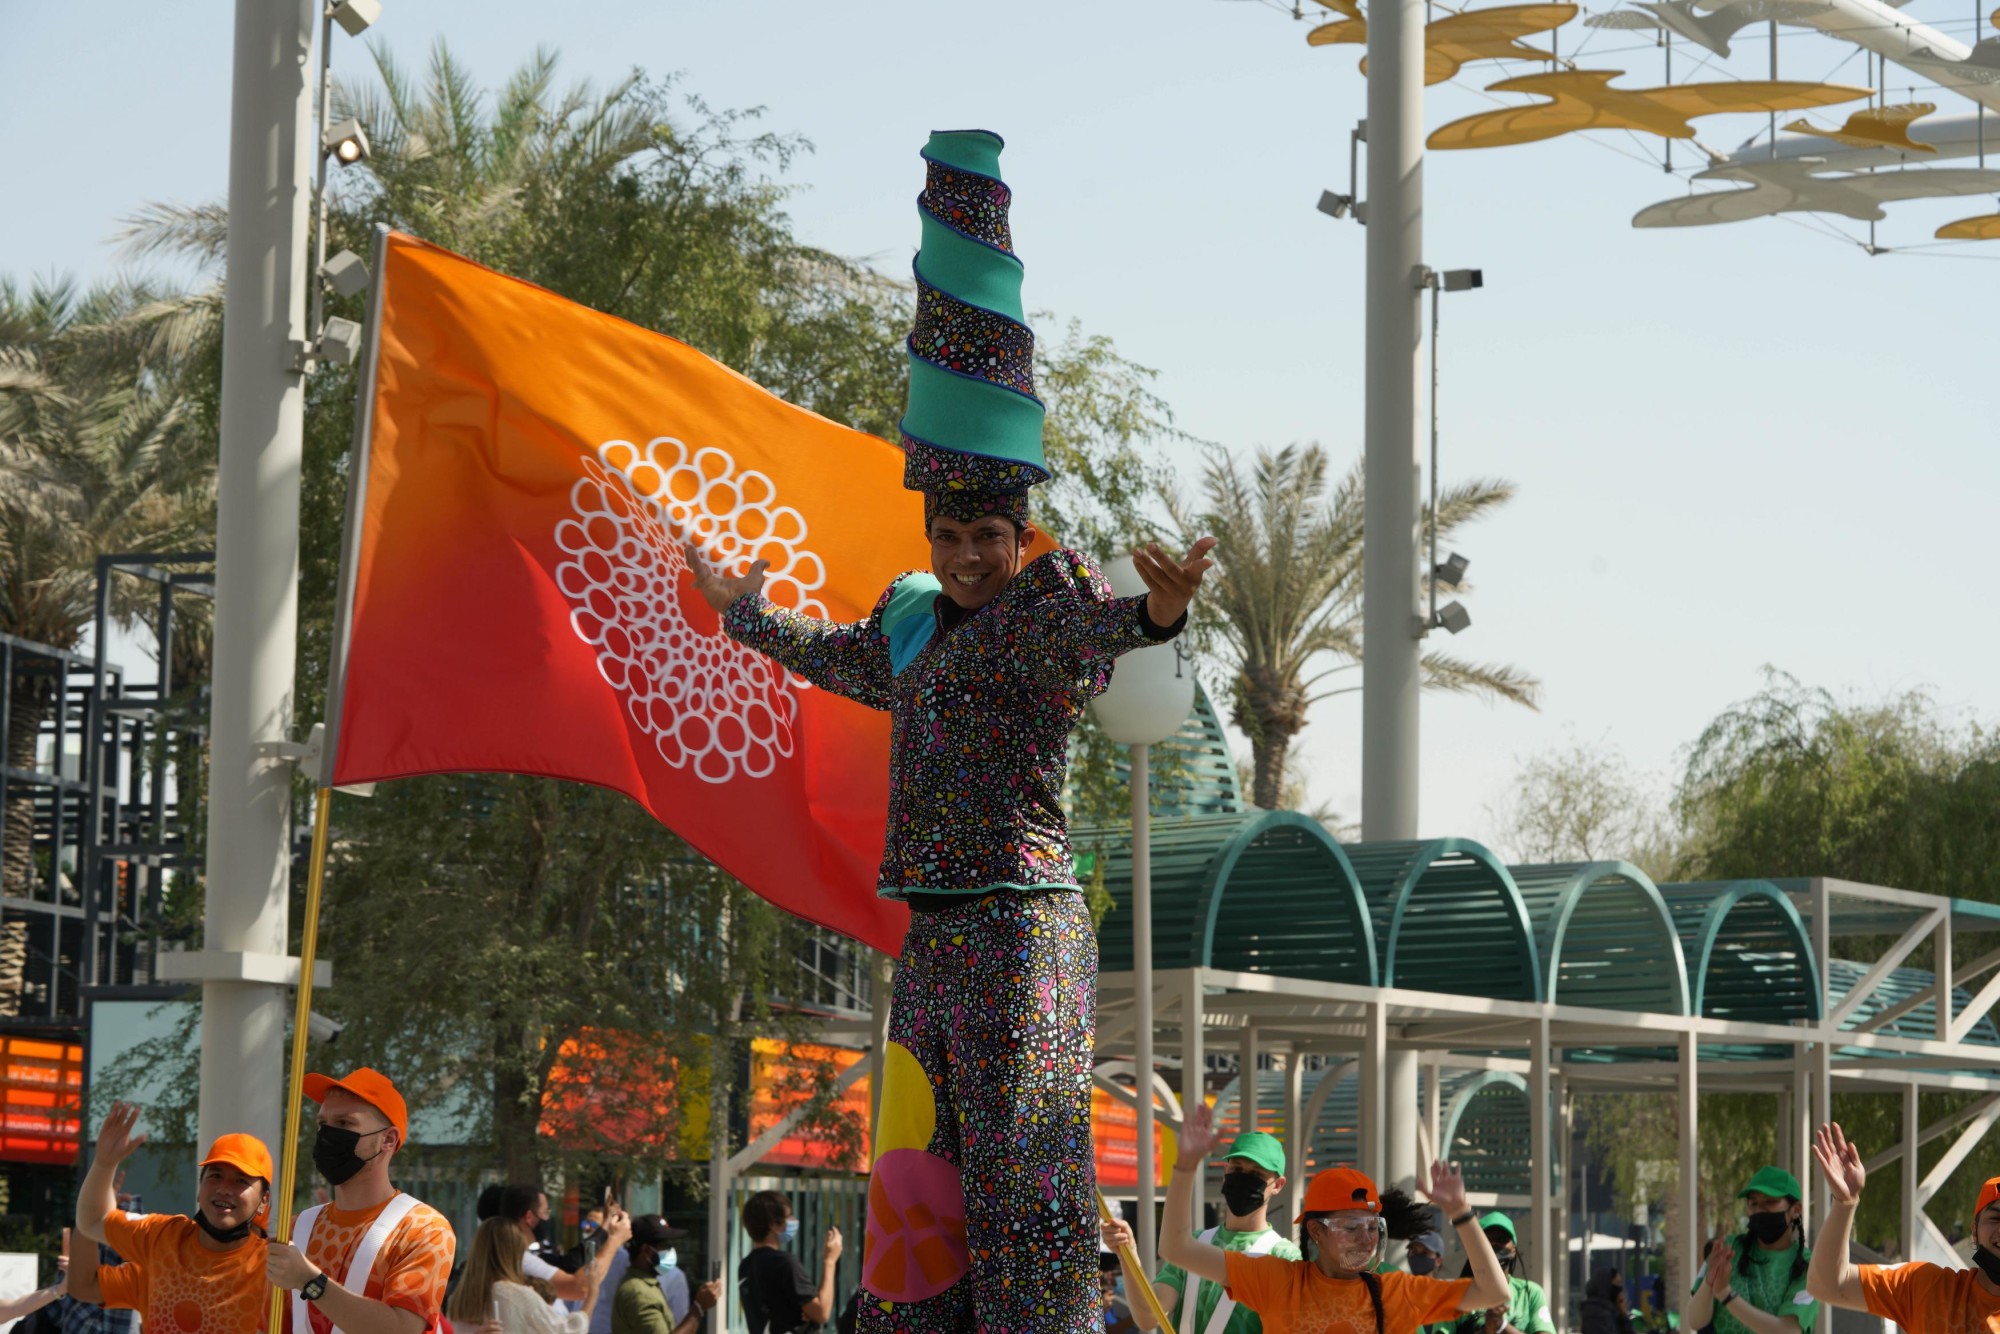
257	557
1194	1083
1390	668
1142	982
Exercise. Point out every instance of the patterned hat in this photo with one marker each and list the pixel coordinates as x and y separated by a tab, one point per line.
972	435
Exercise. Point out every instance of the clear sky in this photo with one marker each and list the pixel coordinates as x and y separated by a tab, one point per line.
1735	446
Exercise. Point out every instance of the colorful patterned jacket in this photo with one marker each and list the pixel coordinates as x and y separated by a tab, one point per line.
981	709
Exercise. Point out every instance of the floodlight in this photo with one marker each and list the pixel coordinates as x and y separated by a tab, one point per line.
345	273
340	342
1451	571
354	16
346	142
1453	616
1460	280
1333	205
322	1029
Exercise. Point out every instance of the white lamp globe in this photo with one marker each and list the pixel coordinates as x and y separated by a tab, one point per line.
1152	689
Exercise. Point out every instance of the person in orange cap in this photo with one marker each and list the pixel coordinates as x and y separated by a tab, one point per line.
201	1275
375	1261
1922	1297
1337	1290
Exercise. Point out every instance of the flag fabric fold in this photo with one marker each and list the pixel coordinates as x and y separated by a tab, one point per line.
517	601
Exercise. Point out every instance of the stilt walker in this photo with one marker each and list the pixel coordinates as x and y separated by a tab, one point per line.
980	1210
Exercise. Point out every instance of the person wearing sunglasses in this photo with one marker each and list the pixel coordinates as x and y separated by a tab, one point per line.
1345	1221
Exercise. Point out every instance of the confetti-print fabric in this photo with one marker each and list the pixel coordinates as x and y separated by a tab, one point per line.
972	341
968	202
980	1208
981	715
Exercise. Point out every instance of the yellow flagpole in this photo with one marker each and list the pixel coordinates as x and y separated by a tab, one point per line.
301	1015
1136	1279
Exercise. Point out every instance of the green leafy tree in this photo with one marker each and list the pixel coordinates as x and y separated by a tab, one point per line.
1581	802
1285	598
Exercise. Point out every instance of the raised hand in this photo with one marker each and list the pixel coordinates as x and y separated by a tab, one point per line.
1170	583
617	1228
717	589
115	1140
1447	1189
1846	1174
1721	1267
1198	1134
833	1245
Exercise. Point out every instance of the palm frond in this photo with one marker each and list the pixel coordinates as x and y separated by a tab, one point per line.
1442	671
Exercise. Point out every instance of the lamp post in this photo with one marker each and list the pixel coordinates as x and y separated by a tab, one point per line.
1150	696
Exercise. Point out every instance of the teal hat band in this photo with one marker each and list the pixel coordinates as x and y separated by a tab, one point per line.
973	427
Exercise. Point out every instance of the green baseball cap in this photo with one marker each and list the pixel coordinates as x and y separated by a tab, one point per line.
1501	1221
1773	1181
1257	1147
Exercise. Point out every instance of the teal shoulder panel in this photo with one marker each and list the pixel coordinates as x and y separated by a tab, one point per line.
910	618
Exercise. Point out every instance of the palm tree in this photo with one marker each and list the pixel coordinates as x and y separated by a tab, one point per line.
1288	594
100	451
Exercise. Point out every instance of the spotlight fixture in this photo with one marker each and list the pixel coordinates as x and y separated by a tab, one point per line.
346	143
345	273
322	1029
1452	616
1335	206
1461	280
354	16
1451	571
340	344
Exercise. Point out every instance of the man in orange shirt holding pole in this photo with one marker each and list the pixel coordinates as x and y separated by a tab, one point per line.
375	1261
199	1275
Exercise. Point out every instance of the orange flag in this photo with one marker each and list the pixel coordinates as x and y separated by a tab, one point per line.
515	598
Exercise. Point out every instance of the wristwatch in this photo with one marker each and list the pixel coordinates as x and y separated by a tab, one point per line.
314	1288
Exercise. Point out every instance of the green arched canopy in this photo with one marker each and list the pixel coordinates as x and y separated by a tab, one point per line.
1748	956
1486	1130
1449	918
1604	936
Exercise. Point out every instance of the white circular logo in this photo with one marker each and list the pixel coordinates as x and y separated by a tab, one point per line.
709	703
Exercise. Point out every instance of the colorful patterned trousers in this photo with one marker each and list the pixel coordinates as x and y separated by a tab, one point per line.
981	1215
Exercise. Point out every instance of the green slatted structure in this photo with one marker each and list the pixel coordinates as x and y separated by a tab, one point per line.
1748	955
1842	976
1604	936
1486	1125
1263	891
1448	918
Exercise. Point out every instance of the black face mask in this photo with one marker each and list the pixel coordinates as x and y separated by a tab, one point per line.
334	1155
224	1235
1510	1261
1988	1262
1243	1192
1766	1228
1423	1264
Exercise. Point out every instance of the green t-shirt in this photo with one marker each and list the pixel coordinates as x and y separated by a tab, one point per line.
1527	1310
1768	1286
1242	1320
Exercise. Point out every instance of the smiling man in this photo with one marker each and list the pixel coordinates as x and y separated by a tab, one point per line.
980	1210
198	1275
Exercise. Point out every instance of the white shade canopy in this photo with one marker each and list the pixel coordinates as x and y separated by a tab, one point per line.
1152	689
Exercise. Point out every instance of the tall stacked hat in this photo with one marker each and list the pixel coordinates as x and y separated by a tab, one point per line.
972	435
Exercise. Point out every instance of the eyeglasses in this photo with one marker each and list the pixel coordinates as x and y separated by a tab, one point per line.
1355	1228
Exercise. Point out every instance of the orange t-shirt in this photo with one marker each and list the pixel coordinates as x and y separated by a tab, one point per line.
1930	1299
122	1286
1294	1297
184	1287
410	1270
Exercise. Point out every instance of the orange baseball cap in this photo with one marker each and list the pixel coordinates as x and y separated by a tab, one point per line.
246	1153
372	1087
1337	1189
1987	1194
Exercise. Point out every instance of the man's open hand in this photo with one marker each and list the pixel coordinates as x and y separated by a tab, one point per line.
1170	583
717	589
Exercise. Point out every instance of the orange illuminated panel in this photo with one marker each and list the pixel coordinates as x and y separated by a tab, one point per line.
41	1097
779	1083
609	1090
1114	1134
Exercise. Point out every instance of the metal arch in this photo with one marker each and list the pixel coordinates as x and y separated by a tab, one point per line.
1552	929
1215	884
1709	932
1461	1102
1421	858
